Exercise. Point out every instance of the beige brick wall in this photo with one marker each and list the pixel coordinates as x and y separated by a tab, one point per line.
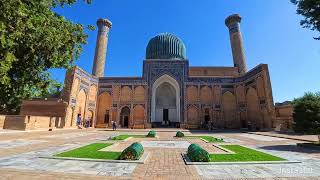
22	122
138	115
126	94
15	122
283	120
2	118
213	71
192	94
139	94
206	95
42	107
104	105
284	111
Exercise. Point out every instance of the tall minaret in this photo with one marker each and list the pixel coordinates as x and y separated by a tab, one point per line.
104	26
239	59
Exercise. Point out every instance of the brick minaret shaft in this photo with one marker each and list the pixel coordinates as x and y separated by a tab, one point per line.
239	59
104	26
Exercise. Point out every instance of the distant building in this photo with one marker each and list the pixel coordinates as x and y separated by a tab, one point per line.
170	93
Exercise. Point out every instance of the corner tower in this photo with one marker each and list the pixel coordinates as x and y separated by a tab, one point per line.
104	26
239	59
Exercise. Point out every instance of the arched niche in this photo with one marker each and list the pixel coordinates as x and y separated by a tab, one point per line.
192	94
240	91
125	117
92	93
81	103
206	95
125	94
229	107
159	111
193	116
139	94
138	114
104	106
253	109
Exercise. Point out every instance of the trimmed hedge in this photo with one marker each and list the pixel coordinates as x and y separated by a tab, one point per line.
151	134
197	154
133	152
179	134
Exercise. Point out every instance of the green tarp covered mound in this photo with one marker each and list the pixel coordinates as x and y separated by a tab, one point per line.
179	134
151	134
133	152
197	153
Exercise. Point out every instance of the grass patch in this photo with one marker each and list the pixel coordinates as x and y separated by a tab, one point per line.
207	138
125	136
91	151
242	154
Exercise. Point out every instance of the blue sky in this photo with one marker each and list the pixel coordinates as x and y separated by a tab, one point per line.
270	29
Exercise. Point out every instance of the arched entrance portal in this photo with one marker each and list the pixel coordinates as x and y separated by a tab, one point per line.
124	117
165	106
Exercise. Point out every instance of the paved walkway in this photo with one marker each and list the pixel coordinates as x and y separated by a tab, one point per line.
19	157
310	138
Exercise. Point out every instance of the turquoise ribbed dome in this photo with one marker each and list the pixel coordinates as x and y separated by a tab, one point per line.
165	46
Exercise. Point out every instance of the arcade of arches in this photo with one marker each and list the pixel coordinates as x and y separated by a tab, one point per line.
244	105
170	92
168	103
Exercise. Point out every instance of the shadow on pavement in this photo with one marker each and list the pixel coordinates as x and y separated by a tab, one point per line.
291	147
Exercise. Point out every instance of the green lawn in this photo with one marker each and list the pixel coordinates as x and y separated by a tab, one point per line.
91	151
242	154
207	138
125	136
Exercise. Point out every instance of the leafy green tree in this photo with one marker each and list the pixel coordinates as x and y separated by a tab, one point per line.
306	113
34	39
310	9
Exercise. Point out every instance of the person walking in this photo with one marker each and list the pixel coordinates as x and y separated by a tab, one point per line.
87	123
90	122
112	123
79	121
114	126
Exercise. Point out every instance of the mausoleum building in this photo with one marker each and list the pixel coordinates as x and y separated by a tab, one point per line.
170	92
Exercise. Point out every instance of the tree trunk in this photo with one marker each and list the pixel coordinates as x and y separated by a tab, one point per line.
319	139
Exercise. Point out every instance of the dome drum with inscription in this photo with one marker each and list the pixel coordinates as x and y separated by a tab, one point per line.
166	46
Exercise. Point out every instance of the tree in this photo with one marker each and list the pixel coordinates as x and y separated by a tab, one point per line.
34	39
310	9
306	113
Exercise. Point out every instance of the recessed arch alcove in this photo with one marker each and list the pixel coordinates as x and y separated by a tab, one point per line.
165	104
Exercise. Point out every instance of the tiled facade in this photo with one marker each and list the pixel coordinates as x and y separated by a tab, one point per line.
170	92
224	97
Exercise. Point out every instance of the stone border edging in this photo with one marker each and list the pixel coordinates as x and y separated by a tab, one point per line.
270	135
223	149
187	161
212	142
113	145
204	140
127	139
142	160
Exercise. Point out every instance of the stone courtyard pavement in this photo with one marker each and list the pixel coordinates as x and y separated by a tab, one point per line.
21	152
